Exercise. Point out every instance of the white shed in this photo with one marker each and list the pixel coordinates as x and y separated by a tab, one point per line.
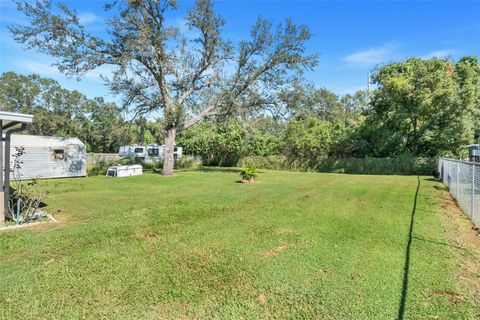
50	157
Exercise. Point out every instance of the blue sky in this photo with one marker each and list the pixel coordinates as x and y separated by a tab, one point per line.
351	37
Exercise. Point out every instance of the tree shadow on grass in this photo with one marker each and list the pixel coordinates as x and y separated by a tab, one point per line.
406	268
440	243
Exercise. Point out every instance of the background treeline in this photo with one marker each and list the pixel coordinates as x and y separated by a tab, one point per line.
61	112
417	109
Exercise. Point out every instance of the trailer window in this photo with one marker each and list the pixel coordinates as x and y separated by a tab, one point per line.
58	154
153	152
138	150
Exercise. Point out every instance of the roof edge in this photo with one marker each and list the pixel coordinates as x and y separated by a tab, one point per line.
16	117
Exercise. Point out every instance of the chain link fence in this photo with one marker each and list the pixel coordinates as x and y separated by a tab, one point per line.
463	181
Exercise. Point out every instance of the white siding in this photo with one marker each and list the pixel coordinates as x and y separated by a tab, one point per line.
38	160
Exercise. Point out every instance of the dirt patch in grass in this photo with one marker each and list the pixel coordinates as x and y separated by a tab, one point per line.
275	251
285	230
465	235
362	203
145	235
449	295
305	193
262	298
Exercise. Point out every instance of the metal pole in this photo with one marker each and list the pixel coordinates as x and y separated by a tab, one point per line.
458	180
368	87
19	203
473	192
6	193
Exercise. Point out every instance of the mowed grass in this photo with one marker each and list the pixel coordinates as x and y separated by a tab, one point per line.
200	245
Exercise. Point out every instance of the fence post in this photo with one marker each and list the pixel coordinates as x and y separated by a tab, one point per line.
473	192
458	180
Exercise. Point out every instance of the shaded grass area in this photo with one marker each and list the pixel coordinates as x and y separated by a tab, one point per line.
294	245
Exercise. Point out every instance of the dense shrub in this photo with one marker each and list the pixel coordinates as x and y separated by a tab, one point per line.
100	167
403	165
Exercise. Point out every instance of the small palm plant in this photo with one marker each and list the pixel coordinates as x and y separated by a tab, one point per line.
248	174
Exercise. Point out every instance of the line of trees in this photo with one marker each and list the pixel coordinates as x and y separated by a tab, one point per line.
195	74
61	112
423	108
187	76
419	107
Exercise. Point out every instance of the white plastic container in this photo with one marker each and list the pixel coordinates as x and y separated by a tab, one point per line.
124	171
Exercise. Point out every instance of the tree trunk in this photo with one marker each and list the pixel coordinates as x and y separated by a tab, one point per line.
168	159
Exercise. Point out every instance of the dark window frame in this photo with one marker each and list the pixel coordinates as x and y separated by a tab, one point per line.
153	152
59	154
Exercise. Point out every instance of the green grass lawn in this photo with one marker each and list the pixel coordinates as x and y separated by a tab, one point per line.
200	245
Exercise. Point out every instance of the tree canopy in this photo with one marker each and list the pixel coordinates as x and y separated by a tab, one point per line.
160	68
61	112
426	107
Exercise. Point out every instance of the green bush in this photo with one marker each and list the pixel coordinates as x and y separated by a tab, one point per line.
248	173
402	165
100	167
188	162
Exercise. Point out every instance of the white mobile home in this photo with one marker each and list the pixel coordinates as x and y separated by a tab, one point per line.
149	153
49	157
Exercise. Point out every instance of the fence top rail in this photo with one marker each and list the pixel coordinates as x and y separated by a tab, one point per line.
460	161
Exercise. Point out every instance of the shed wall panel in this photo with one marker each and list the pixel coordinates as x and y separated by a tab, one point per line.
38	160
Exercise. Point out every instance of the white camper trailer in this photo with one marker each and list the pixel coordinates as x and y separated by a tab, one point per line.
134	151
124	171
149	153
49	157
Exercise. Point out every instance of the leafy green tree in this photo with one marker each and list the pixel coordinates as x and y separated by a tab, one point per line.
310	138
52	105
217	143
160	69
354	108
303	101
468	79
424	107
61	112
263	135
101	126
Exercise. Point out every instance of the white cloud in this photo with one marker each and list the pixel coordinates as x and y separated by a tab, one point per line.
439	54
41	68
97	73
87	17
371	56
183	28
47	70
